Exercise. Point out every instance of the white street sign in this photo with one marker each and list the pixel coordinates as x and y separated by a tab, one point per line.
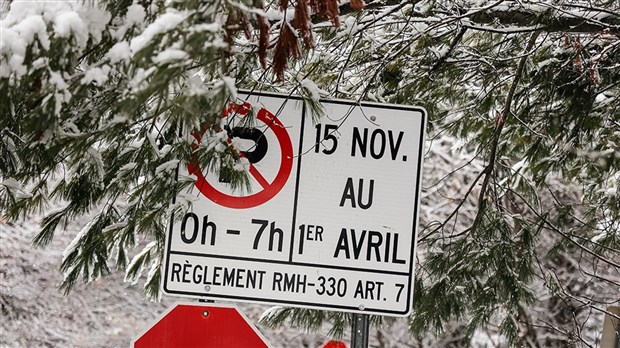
331	220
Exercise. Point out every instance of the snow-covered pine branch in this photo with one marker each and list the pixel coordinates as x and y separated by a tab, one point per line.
92	96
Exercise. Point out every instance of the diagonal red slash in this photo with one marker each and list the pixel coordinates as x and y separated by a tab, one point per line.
259	177
253	170
256	174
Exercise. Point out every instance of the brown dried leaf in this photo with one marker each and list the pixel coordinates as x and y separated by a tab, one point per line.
326	9
594	75
577	64
358	4
245	25
263	39
577	44
283	5
303	24
286	47
229	27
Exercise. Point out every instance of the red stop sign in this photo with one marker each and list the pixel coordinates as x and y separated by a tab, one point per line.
335	344
198	326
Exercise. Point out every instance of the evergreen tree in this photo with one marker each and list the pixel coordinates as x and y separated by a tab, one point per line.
93	95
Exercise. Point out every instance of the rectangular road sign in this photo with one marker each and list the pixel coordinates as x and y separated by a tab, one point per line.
330	222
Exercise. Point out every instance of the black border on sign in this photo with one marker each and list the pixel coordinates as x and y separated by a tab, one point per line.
321	306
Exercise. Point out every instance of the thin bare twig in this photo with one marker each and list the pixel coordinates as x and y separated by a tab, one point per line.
501	121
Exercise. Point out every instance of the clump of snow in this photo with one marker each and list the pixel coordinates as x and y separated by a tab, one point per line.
166	22
34	24
311	88
229	82
134	18
116	226
96	19
69	24
99	75
195	86
57	81
119	52
136	144
139	80
62	94
135	15
31	27
16	37
139	258
242	165
216	141
210	27
76	240
270	312
167	166
128	167
170	55
97	161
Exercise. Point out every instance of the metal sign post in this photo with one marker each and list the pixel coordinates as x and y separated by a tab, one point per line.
359	331
611	328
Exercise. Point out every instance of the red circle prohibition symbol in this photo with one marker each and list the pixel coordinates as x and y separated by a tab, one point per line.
269	189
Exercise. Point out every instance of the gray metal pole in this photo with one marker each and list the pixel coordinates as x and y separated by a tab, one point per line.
359	331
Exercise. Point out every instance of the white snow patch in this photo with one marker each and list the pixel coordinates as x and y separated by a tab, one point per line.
96	19
270	312
135	15
210	27
312	89
136	259
170	55
139	79
128	167
152	271
166	166
17	35
97	161
70	23
30	27
195	86
242	165
166	22
99	75
57	80
74	243
229	82
217	141
116	226
119	52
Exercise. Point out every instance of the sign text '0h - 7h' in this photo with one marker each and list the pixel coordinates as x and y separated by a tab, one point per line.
330	222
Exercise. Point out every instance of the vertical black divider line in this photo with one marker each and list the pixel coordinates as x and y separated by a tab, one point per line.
297	179
168	241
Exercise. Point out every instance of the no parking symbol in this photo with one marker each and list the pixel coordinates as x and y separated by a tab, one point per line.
268	188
